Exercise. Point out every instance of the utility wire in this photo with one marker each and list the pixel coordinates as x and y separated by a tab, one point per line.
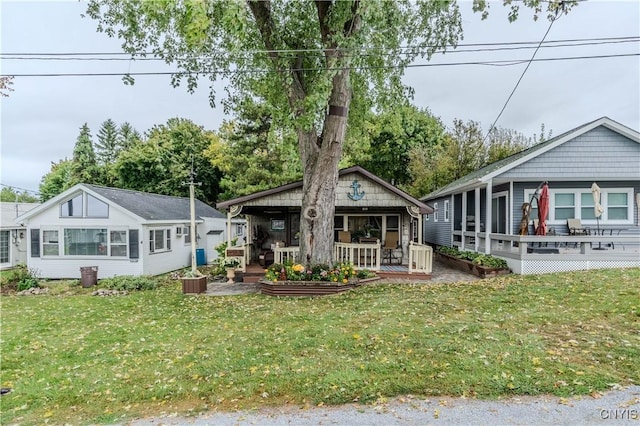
521	77
21	189
101	57
509	62
320	50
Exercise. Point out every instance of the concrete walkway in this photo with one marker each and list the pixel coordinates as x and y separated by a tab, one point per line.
440	274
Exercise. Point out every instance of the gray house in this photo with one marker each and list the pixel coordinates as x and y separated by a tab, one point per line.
483	210
122	232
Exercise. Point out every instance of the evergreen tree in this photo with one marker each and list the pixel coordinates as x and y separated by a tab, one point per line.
127	137
107	145
57	180
84	166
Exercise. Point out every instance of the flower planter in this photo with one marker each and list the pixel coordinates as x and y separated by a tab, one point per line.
231	274
304	288
470	267
193	285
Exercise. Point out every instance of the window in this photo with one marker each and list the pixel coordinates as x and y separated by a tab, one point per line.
96	208
393	223
4	246
50	246
446	210
565	206
75	207
239	229
617	206
578	203
587	206
159	240
72	207
435	212
85	242
186	231
118	243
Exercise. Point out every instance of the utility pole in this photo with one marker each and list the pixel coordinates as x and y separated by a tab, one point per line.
192	208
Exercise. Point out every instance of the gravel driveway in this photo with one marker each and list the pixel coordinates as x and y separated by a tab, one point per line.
619	407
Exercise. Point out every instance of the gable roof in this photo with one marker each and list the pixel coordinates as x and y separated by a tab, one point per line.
12	210
499	167
355	169
145	205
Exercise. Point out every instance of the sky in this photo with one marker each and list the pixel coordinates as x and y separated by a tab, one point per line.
41	119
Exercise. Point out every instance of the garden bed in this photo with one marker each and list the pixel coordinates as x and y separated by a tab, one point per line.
308	288
470	267
194	285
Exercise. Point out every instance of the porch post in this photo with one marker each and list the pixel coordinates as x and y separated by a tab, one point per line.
477	219
229	228
463	226
420	234
489	217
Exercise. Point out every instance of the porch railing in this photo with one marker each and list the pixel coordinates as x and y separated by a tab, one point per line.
420	258
282	254
363	256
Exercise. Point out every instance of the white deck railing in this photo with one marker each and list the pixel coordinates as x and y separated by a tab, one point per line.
282	254
420	258
363	256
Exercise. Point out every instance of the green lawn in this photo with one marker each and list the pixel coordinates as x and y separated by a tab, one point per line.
81	359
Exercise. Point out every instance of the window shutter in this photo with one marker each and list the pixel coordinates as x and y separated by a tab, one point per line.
134	244
35	243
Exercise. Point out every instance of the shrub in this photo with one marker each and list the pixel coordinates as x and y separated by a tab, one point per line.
18	279
129	283
475	257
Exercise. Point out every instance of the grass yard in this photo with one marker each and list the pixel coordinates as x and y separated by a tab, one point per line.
83	359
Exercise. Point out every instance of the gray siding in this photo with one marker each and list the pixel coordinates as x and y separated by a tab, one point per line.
596	155
518	197
439	233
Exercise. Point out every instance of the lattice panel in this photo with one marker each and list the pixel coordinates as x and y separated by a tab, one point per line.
547	266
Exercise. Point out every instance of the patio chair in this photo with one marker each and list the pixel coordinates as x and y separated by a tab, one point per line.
576	228
391	247
344	236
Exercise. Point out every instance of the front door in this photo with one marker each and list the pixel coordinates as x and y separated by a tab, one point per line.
499	213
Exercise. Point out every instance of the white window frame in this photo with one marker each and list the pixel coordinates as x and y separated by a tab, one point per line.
124	243
43	243
435	212
165	238
446	210
604	192
84	207
5	245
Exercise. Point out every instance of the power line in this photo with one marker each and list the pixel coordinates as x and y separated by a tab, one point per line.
508	62
21	189
81	57
520	79
587	41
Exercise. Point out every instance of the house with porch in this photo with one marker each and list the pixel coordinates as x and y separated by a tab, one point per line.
483	210
376	225
120	231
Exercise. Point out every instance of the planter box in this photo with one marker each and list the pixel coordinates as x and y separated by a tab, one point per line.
303	288
195	285
470	267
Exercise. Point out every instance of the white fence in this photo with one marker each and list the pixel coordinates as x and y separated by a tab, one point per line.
363	256
420	258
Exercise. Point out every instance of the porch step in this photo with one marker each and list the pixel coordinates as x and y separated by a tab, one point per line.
251	276
403	275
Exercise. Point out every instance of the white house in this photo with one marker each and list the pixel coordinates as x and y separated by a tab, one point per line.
13	242
122	232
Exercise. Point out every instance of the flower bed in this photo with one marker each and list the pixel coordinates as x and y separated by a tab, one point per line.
478	264
291	279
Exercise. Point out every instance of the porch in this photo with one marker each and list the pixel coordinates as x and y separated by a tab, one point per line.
361	255
532	254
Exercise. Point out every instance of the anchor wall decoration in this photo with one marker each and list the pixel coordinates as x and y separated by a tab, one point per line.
357	193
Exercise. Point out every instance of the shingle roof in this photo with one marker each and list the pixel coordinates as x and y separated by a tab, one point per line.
155	206
12	210
476	175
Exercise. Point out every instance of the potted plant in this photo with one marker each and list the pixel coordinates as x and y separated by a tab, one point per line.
230	265
194	282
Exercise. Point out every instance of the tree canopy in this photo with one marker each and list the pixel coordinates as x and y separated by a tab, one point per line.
317	65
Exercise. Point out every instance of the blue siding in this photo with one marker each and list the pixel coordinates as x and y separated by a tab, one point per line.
439	233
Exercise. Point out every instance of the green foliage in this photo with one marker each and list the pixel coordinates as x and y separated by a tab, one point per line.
8	194
107	145
392	136
18	279
475	257
129	283
163	162
340	273
253	154
84	165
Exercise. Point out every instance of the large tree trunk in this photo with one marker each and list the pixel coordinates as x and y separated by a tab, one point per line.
320	158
